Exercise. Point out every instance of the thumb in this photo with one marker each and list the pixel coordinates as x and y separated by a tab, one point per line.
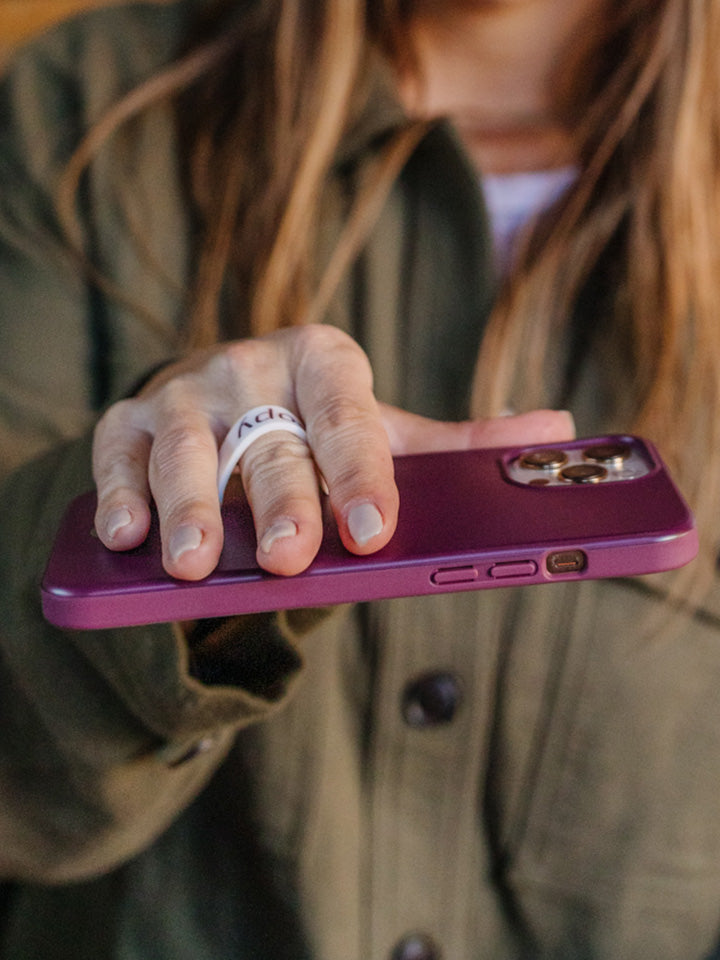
410	433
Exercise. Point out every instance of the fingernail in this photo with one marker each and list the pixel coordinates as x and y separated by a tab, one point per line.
278	531
364	523
183	540
117	520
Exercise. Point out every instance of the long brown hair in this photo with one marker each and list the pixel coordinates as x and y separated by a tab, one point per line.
256	164
650	155
647	119
303	70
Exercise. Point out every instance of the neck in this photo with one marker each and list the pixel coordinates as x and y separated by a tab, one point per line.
494	68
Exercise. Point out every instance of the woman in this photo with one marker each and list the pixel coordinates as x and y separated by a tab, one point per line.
247	191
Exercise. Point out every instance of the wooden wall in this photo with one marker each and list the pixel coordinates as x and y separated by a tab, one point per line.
19	19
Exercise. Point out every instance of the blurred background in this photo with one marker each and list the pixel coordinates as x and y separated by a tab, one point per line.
21	18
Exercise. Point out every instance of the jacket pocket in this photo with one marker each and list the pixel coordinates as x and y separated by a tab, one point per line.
604	783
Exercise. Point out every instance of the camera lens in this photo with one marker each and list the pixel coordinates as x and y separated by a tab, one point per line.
611	453
543	459
584	473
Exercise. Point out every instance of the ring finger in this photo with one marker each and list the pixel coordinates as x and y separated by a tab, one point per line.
281	482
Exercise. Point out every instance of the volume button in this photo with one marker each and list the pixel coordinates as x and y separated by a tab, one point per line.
449	575
513	568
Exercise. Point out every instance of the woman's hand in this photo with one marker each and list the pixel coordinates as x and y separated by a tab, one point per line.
164	444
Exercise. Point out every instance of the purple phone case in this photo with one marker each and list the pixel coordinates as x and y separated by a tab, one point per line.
464	524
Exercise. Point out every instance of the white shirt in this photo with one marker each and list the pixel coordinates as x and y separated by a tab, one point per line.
515	199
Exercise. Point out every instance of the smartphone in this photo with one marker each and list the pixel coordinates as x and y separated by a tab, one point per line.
469	520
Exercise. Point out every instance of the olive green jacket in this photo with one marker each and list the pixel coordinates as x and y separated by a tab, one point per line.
510	774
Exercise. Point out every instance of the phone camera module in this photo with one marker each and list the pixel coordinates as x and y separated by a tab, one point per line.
543	459
603	460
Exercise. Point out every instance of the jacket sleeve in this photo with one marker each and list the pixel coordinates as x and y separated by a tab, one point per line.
106	736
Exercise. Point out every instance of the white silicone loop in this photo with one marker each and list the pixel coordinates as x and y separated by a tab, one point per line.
252	425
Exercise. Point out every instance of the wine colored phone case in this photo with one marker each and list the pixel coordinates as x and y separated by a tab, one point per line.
604	507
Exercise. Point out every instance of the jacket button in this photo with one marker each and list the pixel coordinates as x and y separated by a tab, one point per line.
431	699
416	946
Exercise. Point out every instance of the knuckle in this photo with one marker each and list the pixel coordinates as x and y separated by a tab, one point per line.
121	470
319	336
361	474
263	462
331	343
179	446
177	395
247	360
252	371
314	352
343	420
118	416
181	506
355	450
274	472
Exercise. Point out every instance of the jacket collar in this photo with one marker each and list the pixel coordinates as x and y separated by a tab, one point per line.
377	115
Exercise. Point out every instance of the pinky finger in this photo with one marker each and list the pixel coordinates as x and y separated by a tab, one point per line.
121	452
